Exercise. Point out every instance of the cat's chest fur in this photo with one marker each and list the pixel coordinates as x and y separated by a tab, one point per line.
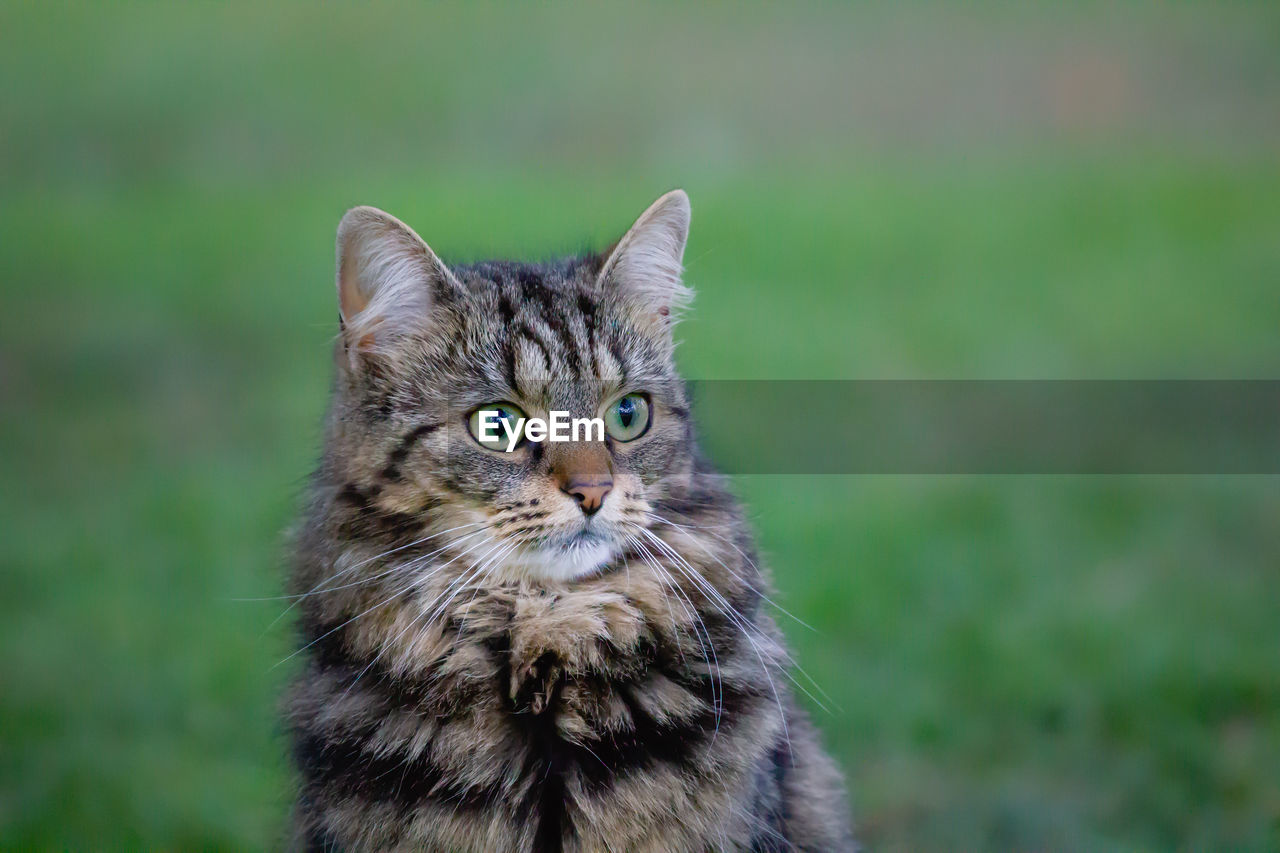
537	719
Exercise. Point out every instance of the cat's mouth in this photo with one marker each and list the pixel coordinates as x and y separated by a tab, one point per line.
568	557
584	537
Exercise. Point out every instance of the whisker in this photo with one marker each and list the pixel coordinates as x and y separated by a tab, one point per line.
740	620
320	587
632	542
493	565
460	583
387	600
790	658
740	578
317	589
463	538
713	671
683	566
387	645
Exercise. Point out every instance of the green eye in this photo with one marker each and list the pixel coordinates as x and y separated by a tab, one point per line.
628	418
490	431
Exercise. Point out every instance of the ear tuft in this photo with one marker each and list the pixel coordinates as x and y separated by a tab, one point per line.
646	265
387	279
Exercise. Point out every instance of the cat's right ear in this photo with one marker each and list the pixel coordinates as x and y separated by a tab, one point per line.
388	280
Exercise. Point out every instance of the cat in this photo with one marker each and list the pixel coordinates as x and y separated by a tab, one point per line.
561	648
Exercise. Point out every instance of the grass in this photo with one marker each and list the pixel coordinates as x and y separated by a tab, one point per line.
1015	662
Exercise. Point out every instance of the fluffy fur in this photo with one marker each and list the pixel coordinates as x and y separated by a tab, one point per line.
487	666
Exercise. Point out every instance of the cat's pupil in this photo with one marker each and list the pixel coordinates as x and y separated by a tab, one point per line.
626	411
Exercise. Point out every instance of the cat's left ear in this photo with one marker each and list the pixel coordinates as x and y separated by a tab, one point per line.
646	265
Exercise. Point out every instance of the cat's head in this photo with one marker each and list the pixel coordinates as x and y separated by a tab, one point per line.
425	349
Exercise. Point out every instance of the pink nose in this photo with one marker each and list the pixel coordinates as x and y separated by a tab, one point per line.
589	495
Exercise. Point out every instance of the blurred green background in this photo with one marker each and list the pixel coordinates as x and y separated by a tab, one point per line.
879	191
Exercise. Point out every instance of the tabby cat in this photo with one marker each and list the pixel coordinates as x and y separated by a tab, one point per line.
561	648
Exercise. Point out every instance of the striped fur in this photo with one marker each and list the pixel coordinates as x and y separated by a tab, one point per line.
456	697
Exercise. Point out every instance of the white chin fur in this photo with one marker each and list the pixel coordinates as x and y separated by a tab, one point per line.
560	563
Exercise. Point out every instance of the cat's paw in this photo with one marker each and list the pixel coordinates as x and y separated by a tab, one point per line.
534	683
580	630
